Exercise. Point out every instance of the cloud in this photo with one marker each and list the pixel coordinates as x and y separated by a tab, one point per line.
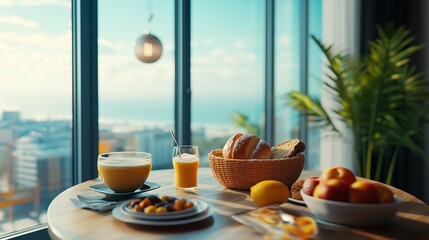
108	46
122	76
239	45
9	41
31	3
218	52
105	43
34	64
17	21
207	42
284	41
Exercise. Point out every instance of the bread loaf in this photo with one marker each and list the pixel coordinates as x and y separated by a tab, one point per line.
246	146
288	149
229	145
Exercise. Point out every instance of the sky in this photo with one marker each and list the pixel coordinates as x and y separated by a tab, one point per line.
227	57
35	56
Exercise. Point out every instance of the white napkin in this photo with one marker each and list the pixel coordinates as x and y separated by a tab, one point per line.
101	207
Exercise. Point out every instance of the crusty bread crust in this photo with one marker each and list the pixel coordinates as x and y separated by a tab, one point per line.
229	145
288	149
296	188
250	146
246	146
262	151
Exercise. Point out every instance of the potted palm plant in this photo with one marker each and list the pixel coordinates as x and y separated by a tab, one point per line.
380	97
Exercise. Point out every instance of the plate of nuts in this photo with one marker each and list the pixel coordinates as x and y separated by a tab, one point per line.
164	207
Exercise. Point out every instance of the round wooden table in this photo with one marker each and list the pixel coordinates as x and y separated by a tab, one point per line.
69	222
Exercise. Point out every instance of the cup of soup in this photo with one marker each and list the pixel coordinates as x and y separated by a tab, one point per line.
124	171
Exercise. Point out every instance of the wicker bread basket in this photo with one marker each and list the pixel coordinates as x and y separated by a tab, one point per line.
244	173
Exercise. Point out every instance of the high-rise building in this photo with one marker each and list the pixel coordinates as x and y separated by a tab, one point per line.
155	141
44	159
11	116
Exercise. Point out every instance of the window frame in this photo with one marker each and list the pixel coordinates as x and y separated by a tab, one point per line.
85	89
304	35
269	71
182	70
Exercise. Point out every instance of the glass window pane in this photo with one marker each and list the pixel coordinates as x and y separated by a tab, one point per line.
287	67
136	99
314	79
288	71
227	69
35	109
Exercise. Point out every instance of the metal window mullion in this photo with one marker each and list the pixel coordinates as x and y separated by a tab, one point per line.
303	130
182	100
85	89
269	71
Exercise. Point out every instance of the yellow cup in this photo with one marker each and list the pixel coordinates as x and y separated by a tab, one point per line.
185	163
124	171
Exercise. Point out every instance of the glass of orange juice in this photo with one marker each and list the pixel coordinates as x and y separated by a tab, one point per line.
124	171
186	160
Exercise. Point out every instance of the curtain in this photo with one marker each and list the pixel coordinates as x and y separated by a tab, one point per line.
340	27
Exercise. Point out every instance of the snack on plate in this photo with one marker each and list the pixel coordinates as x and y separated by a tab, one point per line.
296	188
288	149
304	227
246	146
163	204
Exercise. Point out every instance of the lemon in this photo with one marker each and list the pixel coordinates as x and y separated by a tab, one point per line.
269	192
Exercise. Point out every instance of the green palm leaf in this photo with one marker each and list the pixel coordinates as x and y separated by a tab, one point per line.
242	120
312	108
380	97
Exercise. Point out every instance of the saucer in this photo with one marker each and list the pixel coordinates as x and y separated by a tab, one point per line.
102	188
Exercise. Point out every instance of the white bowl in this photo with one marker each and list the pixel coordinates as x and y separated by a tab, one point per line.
352	214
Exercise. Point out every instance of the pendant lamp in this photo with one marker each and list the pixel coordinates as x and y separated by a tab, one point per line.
148	48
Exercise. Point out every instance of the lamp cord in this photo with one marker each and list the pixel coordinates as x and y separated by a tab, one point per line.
149	20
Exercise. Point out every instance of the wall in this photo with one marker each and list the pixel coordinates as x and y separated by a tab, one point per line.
418	22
